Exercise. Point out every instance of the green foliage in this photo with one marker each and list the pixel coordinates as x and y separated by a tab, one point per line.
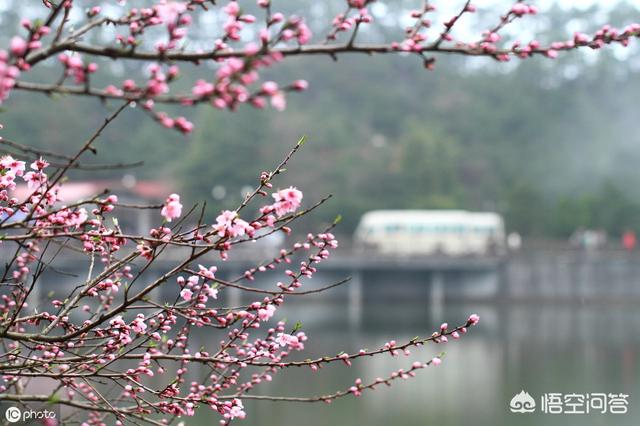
552	146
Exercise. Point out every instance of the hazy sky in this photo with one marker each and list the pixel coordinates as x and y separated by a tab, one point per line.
544	4
582	4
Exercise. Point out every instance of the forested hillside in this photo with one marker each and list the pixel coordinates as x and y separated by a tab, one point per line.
466	135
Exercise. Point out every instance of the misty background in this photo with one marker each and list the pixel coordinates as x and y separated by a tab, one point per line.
551	145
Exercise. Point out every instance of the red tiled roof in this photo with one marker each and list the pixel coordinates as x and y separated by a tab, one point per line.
75	191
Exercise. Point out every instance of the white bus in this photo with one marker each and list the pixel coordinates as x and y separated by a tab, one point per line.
430	232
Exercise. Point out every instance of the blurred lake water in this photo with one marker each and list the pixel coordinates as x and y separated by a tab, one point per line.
539	347
550	323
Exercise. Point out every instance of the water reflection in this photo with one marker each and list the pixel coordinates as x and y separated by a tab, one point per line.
541	348
579	345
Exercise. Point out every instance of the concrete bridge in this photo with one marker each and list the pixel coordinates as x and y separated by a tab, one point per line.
531	275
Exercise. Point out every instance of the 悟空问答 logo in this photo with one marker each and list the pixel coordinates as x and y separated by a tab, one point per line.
522	403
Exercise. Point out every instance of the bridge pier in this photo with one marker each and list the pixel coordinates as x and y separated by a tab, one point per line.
355	299
232	295
436	298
